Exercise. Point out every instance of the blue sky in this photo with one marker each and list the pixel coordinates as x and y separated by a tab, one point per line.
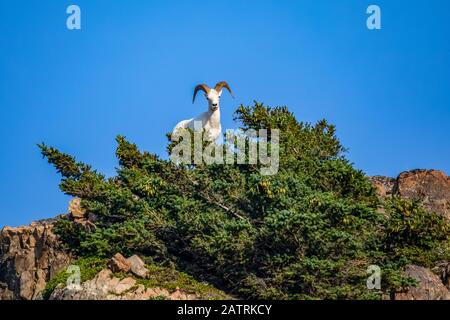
132	68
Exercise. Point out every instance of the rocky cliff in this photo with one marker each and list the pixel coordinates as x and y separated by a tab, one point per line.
30	256
131	279
430	286
431	187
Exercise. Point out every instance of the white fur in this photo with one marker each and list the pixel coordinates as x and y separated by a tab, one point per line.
210	120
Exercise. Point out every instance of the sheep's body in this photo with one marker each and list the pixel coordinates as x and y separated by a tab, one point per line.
209	120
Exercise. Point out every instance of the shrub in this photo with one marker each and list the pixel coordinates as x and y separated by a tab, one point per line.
89	267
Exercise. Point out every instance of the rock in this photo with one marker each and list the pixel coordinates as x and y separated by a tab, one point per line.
383	185
75	210
180	295
432	187
29	257
81	217
124	285
138	267
119	263
443	269
90	290
104	286
430	286
5	293
157	292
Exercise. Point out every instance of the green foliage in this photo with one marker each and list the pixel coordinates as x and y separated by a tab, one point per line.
89	267
415	235
165	277
308	232
64	163
171	280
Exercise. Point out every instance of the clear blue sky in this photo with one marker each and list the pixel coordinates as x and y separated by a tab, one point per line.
132	68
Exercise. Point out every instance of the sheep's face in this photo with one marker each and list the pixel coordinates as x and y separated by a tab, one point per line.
213	98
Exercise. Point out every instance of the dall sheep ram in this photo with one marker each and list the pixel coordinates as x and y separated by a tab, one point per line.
210	120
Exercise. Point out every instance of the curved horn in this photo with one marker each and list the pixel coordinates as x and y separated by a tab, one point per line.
202	87
223	84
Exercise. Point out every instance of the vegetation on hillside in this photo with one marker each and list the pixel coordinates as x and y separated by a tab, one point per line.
164	277
308	232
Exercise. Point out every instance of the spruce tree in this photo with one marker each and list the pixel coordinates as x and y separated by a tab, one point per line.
308	232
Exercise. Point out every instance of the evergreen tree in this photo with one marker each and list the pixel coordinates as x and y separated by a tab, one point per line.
308	232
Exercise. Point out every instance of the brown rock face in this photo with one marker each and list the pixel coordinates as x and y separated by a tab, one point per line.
75	210
119	263
29	257
138	267
431	187
429	287
443	269
105	286
383	185
80	216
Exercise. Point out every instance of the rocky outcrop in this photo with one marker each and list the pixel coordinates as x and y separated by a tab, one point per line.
105	286
79	215
383	185
76	212
429	285
134	264
138	267
118	263
443	270
29	257
431	187
127	279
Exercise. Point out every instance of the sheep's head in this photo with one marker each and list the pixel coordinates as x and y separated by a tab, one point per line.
212	94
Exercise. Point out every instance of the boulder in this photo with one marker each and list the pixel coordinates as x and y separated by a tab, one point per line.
81	217
124	285
429	287
443	269
119	263
138	267
104	286
384	185
432	187
29	257
5	293
75	210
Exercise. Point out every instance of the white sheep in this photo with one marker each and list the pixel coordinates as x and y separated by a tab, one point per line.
210	120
